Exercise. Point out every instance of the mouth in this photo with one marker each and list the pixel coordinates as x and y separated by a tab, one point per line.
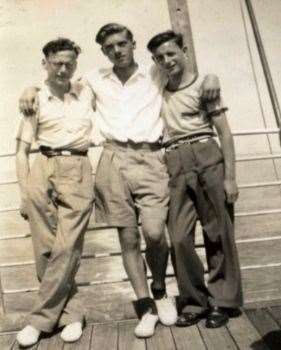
170	69
121	58
62	78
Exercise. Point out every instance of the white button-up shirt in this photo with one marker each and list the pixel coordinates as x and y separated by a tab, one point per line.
129	111
60	124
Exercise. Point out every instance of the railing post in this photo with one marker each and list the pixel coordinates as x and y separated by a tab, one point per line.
2	309
265	65
180	21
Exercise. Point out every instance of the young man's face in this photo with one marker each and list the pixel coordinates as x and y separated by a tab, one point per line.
170	58
119	49
60	66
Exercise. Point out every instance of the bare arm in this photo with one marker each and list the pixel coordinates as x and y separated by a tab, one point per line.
22	169
227	146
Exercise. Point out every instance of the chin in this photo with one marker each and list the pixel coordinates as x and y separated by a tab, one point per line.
63	82
122	64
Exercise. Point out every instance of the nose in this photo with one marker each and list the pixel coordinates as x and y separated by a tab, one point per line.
117	50
63	68
167	60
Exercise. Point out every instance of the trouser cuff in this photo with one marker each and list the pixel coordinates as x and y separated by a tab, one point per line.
157	293
144	305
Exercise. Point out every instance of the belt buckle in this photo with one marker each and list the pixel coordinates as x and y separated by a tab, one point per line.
65	153
206	139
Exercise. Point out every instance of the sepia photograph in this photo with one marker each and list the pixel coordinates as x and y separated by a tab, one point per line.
140	175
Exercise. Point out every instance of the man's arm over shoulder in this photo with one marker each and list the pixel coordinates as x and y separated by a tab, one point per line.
209	90
28	102
85	89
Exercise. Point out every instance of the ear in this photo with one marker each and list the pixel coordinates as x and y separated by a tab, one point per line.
44	62
134	44
154	59
103	51
185	51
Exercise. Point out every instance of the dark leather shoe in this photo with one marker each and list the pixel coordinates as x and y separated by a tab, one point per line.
187	319
216	318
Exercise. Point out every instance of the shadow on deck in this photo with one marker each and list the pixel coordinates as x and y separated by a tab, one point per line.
254	329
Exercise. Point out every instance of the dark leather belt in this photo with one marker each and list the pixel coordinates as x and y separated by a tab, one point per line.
133	145
52	152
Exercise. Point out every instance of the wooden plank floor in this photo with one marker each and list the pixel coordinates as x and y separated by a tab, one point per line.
254	329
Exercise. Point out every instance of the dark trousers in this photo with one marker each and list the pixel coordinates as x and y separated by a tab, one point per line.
197	191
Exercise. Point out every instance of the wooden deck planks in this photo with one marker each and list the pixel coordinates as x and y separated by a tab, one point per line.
162	339
83	343
7	341
257	330
216	339
275	312
267	327
104	336
126	337
52	342
17	347
188	338
245	334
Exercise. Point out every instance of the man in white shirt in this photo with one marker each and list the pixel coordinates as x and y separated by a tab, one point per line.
57	191
131	178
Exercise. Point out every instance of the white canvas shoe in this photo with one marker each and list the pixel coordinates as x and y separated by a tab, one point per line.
28	336
146	326
167	311
72	332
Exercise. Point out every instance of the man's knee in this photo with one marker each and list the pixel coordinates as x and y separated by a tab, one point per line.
154	231
129	238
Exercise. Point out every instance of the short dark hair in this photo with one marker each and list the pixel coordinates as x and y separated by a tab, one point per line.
163	37
60	44
112	28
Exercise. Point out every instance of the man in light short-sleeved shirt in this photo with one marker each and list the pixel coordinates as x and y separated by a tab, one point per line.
57	191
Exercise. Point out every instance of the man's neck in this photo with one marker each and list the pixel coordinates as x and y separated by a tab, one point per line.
58	90
124	74
180	80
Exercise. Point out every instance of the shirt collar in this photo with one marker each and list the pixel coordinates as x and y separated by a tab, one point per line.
75	90
108	72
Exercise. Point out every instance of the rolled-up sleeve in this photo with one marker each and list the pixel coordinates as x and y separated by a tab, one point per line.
215	107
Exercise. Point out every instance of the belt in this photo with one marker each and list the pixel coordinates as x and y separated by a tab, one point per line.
52	152
134	145
187	140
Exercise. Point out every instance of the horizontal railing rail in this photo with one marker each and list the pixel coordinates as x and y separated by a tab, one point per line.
234	133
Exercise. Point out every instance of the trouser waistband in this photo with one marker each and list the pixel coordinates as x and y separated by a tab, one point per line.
133	145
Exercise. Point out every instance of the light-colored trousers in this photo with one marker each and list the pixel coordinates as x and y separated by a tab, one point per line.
60	200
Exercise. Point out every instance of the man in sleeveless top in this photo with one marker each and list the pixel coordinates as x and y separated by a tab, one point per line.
202	185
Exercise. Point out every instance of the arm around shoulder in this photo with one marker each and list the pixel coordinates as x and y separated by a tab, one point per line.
28	102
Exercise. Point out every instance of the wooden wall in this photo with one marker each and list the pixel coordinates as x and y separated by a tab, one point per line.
223	42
